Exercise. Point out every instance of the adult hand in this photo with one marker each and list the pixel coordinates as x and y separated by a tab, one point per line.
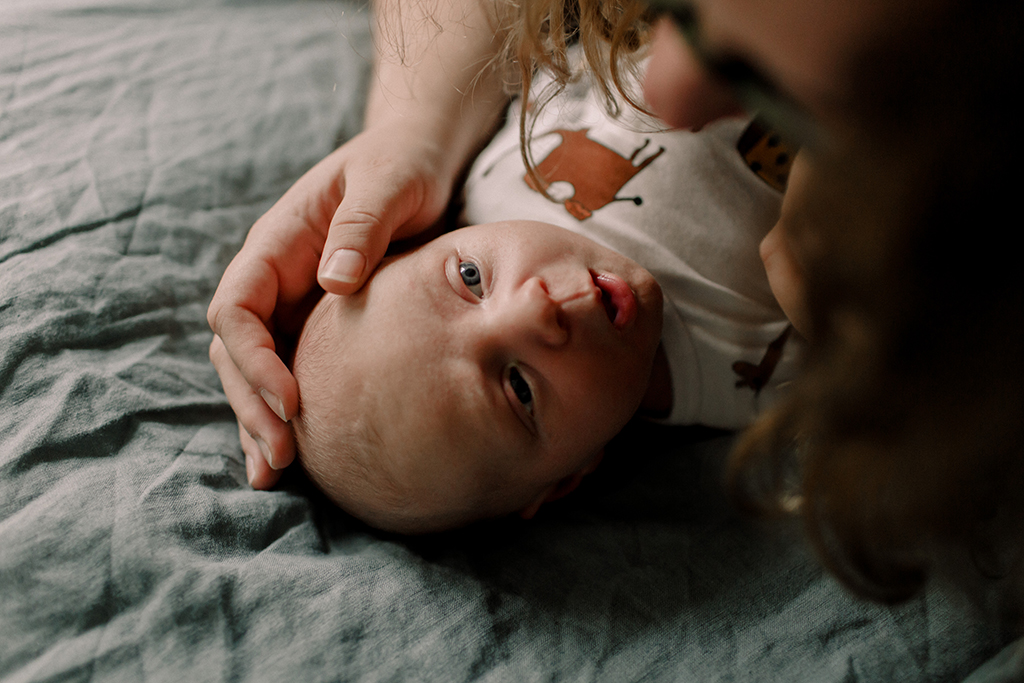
332	227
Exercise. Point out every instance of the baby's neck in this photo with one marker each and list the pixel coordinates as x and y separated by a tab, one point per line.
657	402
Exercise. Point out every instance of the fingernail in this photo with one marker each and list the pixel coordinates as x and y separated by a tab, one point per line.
250	470
275	404
345	265
265	450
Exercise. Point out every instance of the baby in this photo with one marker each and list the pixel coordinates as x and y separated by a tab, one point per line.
479	374
483	372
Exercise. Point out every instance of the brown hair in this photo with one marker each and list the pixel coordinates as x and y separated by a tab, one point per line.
902	443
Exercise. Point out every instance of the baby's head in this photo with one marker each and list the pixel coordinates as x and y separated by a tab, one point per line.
477	375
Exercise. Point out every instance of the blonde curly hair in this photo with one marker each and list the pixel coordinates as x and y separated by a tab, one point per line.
611	36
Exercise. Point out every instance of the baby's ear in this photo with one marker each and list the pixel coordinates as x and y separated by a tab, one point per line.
564	487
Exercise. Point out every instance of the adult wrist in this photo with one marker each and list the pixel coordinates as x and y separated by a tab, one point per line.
445	138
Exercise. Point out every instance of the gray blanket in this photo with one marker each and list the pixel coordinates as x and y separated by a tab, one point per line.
139	140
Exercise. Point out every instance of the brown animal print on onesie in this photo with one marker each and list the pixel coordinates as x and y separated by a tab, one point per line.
595	172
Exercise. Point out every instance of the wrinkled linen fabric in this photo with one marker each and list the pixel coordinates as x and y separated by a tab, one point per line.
138	142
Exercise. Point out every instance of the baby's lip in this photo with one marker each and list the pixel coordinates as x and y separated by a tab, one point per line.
618	299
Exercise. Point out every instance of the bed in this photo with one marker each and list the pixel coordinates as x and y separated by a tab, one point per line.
139	140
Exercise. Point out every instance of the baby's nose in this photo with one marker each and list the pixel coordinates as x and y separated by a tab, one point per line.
537	314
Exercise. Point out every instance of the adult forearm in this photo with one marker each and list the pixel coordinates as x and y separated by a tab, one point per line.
436	74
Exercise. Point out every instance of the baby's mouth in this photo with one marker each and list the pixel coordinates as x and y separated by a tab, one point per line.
618	299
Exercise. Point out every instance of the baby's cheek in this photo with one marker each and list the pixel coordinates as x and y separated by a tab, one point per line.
616	389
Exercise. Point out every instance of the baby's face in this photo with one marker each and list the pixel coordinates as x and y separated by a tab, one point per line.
496	361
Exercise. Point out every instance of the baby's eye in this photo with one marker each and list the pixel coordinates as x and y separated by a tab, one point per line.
521	389
470	274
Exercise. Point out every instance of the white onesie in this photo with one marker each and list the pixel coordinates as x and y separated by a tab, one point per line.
686	206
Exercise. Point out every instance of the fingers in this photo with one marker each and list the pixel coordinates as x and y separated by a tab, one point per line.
333	225
239	314
394	198
249	350
268	443
260	475
361	230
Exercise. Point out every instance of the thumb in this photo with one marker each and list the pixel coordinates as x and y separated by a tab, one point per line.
369	215
355	244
